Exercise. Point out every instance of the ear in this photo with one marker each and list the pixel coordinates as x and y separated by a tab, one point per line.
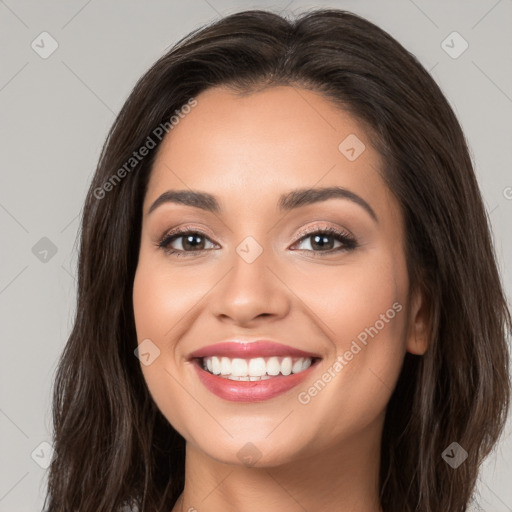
417	336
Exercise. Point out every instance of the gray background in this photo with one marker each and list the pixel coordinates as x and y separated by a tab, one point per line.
55	113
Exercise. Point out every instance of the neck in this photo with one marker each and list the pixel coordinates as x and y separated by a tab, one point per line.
338	479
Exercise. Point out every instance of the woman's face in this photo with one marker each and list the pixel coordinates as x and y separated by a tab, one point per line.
249	272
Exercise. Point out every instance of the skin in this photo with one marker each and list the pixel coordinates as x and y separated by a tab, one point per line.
247	151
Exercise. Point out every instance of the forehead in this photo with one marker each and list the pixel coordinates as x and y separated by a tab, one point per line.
248	149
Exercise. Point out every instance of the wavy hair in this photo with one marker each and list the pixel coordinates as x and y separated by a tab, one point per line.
113	447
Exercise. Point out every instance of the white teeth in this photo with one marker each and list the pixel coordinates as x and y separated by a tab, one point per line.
273	366
286	366
306	364
258	368
247	378
238	367
297	366
215	365
225	366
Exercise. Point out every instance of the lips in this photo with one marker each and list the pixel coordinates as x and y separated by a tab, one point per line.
259	348
260	389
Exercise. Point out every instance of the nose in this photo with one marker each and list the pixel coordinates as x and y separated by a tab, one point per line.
250	293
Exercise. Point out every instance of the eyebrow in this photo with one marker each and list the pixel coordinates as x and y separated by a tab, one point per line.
289	201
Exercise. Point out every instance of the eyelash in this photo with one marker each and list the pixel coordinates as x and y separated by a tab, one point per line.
349	243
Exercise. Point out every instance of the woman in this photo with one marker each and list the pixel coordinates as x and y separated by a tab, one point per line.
288	296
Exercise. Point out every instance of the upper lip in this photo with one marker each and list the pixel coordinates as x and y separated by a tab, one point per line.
244	350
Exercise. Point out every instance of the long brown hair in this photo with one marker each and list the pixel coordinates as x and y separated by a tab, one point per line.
112	444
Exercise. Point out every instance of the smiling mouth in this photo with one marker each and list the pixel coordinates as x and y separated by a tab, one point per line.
254	369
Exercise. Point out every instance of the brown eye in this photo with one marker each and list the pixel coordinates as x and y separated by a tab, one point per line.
187	241
324	241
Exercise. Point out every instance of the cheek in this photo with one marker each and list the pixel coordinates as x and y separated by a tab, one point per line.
365	318
153	303
351	301
162	299
159	305
371	319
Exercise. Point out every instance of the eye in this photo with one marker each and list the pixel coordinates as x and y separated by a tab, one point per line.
323	240
189	240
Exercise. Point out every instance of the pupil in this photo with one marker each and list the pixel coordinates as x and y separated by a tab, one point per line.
189	241
320	240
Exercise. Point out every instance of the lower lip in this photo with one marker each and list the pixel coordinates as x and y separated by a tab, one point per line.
251	391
